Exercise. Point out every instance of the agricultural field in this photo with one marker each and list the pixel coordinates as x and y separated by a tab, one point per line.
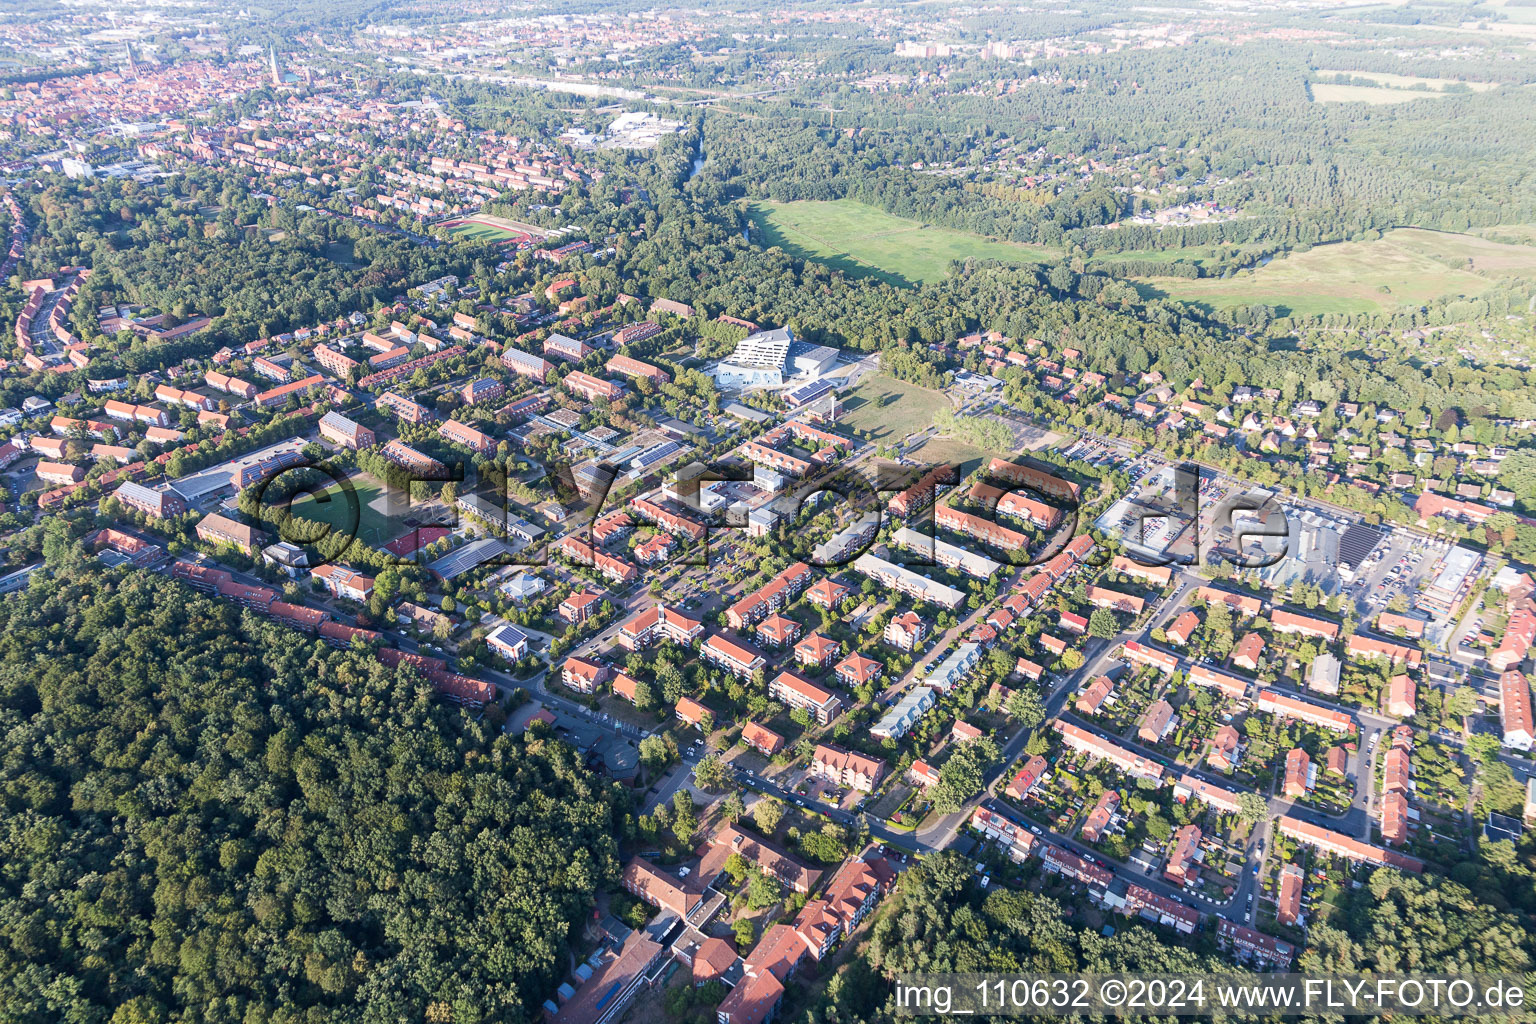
890	409
863	241
1402	268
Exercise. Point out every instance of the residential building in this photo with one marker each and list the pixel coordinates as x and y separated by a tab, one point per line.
846	768
343	581
797	692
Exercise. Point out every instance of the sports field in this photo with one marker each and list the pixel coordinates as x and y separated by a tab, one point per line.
476	230
890	409
374	526
863	241
1402	268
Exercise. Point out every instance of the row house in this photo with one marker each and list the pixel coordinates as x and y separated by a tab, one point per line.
1101	749
1140	654
1366	647
1243	604
1341	845
1014	838
1303	625
1224	683
1284	706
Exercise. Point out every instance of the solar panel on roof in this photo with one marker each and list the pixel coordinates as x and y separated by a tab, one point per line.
808	392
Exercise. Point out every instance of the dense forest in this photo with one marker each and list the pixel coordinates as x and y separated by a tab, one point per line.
207	817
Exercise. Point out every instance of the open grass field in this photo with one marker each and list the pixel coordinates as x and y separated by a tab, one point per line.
1401	268
374	525
1327	92
891	409
953	451
863	241
1197	254
1389	81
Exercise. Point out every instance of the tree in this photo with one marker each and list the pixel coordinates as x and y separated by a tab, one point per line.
686	822
711	772
767	813
307	732
745	933
1251	807
654	753
1026	708
1463	704
1103	624
733	808
962	776
762	890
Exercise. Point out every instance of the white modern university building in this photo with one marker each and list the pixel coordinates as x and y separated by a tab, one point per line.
768	358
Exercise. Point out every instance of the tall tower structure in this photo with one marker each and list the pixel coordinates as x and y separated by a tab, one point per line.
277	76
